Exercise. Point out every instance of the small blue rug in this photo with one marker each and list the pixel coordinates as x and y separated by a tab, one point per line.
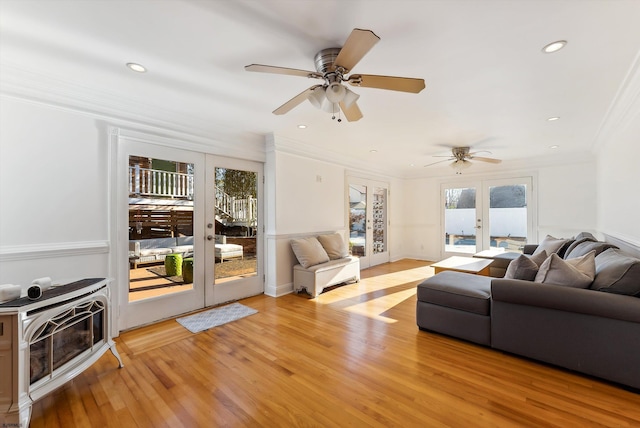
205	320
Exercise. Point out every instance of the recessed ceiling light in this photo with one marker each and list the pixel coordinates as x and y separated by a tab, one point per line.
553	118
136	67
555	146
302	126
554	47
373	151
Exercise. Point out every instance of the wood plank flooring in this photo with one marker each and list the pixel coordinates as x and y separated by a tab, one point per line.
351	357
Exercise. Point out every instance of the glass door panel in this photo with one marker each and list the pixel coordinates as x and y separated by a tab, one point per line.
160	202
460	220
368	221
236	220
379	220
233	245
357	220
160	227
509	217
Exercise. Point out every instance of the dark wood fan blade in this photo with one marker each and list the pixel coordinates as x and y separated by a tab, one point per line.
295	101
352	113
446	160
481	159
403	84
282	70
355	48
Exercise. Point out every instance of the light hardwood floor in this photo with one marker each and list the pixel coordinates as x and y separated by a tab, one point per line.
351	357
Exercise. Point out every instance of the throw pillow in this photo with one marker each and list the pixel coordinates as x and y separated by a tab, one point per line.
550	245
525	267
539	258
522	268
334	246
309	252
617	273
577	273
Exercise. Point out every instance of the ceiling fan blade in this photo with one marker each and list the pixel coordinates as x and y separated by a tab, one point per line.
355	48
295	101
352	113
481	159
404	84
434	163
282	70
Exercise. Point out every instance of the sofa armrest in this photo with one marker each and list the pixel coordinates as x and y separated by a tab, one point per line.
568	299
529	248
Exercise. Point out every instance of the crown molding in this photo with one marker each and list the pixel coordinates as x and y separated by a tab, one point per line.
624	109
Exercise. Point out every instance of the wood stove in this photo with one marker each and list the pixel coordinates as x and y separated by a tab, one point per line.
46	342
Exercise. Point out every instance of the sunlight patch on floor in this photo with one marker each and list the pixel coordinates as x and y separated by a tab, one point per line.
373	284
374	307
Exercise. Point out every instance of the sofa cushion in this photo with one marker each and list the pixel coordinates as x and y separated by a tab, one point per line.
584	247
308	251
577	273
525	267
334	245
155	251
457	290
617	273
551	245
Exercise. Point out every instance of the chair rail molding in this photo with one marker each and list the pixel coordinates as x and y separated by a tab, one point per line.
49	250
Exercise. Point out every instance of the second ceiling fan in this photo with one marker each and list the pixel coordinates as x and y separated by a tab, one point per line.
332	66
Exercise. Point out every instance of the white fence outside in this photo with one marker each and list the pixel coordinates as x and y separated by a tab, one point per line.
503	222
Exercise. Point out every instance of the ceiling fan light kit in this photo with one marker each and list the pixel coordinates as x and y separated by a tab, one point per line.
332	65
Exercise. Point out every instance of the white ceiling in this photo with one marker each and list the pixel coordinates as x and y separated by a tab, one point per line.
488	83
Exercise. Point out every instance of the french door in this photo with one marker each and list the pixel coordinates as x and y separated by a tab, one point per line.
496	215
233	230
188	224
368	221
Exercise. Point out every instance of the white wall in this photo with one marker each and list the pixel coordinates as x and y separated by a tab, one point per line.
53	188
568	202
306	197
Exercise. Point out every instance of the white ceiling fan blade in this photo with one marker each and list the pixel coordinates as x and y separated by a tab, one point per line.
352	113
295	101
434	163
481	159
260	68
355	48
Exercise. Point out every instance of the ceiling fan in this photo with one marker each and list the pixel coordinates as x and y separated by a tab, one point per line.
461	157
333	65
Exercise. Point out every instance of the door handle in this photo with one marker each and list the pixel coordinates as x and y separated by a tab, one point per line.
209	237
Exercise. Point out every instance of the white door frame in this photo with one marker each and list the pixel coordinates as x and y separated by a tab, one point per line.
370	258
132	314
483	227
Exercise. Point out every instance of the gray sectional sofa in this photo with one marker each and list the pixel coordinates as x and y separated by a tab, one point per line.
592	329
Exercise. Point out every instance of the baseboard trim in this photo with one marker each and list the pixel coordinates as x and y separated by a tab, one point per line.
58	249
278	291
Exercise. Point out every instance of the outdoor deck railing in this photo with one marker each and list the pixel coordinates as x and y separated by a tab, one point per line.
154	183
157	183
